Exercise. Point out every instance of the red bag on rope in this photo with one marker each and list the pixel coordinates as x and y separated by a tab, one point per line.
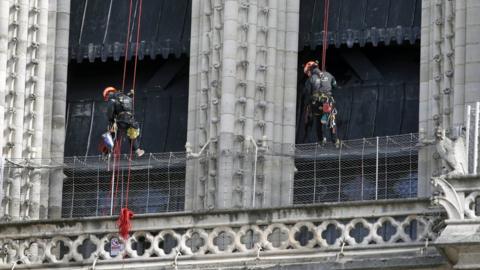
124	224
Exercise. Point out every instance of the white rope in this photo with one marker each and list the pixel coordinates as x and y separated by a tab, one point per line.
423	250
175	261
94	261
190	154
341	254
259	248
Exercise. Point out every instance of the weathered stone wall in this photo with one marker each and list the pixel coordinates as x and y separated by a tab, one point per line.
356	235
449	73
243	61
33	72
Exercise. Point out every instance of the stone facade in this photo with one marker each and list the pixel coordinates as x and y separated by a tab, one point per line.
243	81
396	236
33	73
242	96
448	72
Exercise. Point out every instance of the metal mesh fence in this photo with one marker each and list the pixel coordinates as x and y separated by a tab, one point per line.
156	184
365	169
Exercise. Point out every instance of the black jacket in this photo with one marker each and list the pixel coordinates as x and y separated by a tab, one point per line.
119	108
322	82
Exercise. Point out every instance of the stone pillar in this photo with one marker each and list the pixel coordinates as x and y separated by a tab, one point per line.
472	52
18	65
27	72
47	110
243	61
449	74
459	50
451	57
4	11
59	105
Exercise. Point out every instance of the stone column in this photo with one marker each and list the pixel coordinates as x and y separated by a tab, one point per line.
242	92
18	65
289	100
59	105
47	110
4	11
33	68
449	74
472	52
459	50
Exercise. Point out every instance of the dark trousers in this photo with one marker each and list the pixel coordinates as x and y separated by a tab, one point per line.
122	133
321	129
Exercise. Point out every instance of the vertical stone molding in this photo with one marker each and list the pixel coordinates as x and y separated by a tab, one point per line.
242	96
450	61
29	79
56	130
449	82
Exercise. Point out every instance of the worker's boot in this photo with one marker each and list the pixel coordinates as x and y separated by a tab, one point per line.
337	143
139	152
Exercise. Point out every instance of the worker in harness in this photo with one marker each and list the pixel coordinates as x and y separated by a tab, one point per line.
120	117
320	111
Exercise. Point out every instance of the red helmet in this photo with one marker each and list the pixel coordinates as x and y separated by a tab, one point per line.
309	66
109	90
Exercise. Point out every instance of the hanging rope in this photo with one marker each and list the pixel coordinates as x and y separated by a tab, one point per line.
116	150
326	8
117	155
124	220
127	46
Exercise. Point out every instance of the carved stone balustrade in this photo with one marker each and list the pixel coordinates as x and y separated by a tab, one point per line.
460	240
335	234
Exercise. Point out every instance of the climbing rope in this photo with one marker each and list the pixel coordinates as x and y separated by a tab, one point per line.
126	214
123	222
127	46
326	8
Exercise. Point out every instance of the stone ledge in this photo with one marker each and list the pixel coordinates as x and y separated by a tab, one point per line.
346	230
319	212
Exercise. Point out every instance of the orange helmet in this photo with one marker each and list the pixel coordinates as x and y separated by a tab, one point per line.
109	90
309	66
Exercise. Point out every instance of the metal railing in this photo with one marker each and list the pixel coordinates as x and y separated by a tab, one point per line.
365	169
156	184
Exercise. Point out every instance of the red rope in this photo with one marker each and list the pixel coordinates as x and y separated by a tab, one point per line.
136	50
133	97
123	222
325	33
127	46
